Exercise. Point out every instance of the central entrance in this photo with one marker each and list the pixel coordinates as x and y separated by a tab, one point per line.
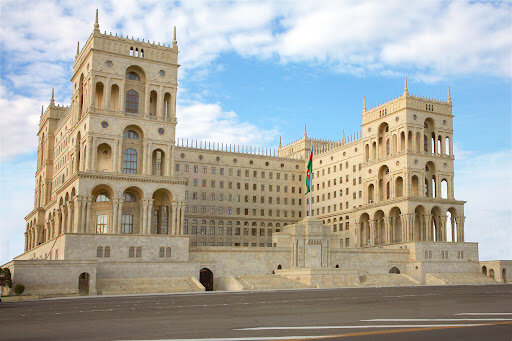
206	279
83	283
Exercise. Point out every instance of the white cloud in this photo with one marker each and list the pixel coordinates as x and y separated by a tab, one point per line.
19	120
209	122
485	182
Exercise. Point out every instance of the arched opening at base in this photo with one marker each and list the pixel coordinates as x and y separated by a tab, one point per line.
484	270
504	276
279	267
394	270
83	283
206	279
491	273
337	266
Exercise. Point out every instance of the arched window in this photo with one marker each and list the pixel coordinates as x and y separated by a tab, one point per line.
133	76
388	151
132	101
129	197
130	134
130	161
102	197
99	251
107	251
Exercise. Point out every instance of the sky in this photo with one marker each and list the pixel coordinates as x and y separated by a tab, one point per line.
254	71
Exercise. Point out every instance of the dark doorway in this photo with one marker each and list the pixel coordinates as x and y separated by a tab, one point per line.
504	276
206	279
83	284
279	267
337	266
394	270
484	270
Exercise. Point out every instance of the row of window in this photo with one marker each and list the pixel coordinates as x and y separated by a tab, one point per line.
204	183
444	254
230	244
246	211
354	168
126	223
229	231
354	182
238	172
238	198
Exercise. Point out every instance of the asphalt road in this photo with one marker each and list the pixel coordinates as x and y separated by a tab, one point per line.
412	313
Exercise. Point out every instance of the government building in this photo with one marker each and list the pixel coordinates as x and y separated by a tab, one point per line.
123	206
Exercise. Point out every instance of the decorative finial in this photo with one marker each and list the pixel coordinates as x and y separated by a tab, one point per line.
343	139
53	96
78	47
42	109
305	131
364	103
279	141
174	41
449	94
96	24
406	91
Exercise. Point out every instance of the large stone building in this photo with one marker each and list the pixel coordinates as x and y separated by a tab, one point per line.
119	199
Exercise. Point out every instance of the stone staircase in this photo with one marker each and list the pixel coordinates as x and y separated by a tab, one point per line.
386	280
117	286
455	278
268	282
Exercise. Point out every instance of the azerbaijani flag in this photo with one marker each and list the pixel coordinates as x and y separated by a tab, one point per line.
309	171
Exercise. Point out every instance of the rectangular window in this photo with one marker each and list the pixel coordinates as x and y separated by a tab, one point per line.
131	252
168	252
127	223
101	223
138	252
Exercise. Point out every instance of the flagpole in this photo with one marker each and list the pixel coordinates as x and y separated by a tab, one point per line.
311	186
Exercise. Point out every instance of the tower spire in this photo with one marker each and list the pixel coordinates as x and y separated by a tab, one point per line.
174	41
279	141
42	109
406	91
364	103
305	131
96	24
449	94
78	47
52	101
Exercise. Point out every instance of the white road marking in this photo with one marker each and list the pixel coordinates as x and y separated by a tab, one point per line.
483	314
262	338
432	320
366	326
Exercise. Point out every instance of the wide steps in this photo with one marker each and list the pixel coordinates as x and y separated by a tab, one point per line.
458	279
112	286
385	280
269	282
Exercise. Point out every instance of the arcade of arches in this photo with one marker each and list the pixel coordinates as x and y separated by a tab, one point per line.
105	213
422	225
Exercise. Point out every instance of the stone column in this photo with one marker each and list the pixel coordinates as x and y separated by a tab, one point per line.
119	217
460	228
443	227
387	231
173	218
146	100
90	147
160	103
69	216
145	158
115	210
58	227
167	162
122	97
89	221
182	217
114	156
169	217
26	242
150	215
372	226
144	217
107	89
77	214
119	165
452	223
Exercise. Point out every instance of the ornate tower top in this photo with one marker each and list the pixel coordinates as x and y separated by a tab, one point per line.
96	24
305	132
406	91
174	41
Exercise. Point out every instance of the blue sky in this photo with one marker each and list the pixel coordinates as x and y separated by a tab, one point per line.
254	71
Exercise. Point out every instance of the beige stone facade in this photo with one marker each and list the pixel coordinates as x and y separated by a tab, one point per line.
118	196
